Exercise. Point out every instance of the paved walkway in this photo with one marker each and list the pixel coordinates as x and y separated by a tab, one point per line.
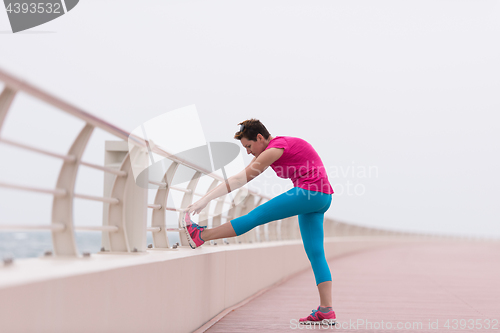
442	285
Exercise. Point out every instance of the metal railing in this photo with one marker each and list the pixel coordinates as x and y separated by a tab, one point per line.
121	236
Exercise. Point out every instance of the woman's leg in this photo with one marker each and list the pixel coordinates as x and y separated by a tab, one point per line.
223	231
293	202
325	294
311	230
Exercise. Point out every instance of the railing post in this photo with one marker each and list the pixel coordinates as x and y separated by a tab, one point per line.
288	226
231	213
114	154
130	214
247	205
135	201
62	206
204	214
260	232
217	219
295	228
160	239
236	211
285	231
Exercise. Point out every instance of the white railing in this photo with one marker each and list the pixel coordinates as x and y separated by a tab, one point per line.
121	234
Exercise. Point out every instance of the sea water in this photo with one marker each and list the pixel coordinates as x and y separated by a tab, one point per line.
33	244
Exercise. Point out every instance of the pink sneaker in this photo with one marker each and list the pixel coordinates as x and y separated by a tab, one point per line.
318	317
193	231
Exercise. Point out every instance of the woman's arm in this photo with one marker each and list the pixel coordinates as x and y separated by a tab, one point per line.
255	168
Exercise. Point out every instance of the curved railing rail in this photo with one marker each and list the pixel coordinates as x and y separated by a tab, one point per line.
122	230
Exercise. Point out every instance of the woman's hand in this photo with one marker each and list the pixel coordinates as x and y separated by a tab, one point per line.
197	207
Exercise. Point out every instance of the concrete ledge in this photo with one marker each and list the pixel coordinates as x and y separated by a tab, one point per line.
150	292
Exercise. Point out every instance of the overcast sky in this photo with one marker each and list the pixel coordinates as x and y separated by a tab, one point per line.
400	98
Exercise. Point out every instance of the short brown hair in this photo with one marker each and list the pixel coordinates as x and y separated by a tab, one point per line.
251	128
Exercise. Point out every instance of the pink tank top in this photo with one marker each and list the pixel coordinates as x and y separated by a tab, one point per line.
301	163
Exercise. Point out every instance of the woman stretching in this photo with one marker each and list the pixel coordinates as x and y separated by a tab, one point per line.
310	198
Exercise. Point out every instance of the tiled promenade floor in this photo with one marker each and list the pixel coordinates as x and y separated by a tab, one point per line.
412	284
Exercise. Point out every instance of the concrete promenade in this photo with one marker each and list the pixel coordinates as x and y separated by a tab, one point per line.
438	286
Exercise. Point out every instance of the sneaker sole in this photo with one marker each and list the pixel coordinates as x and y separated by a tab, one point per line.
188	236
323	322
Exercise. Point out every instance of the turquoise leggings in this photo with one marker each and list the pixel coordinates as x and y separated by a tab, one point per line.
310	206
